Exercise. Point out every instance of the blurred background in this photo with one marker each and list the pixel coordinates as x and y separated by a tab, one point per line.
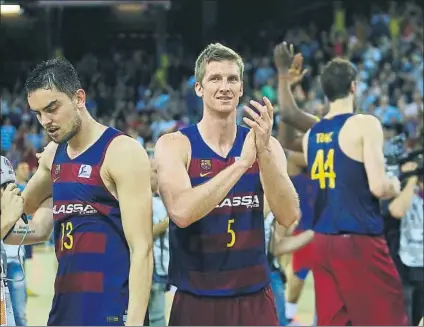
136	63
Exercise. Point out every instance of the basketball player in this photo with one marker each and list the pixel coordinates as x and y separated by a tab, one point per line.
302	259
356	281
100	183
212	178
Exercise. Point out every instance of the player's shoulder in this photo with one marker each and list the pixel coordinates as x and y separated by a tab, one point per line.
125	147
173	141
47	156
365	122
365	118
50	148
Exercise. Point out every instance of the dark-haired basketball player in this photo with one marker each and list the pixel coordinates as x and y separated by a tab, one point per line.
355	279
102	202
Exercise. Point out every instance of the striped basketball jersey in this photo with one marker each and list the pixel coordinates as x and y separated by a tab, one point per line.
344	202
222	254
306	191
91	286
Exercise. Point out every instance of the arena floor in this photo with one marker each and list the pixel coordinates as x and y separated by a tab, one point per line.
41	272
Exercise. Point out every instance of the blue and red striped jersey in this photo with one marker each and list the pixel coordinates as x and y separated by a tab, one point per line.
344	203
306	191
222	254
91	286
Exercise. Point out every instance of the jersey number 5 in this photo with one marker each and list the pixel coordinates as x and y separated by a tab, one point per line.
232	233
323	169
67	240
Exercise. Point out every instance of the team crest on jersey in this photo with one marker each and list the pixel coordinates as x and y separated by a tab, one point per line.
56	172
206	164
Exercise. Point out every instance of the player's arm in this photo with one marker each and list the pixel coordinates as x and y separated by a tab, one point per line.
291	114
380	184
400	205
289	68
287	137
278	187
267	209
297	158
160	227
39	187
128	165
38	229
287	244
185	204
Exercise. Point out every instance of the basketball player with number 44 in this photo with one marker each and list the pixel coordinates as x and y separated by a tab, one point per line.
355	278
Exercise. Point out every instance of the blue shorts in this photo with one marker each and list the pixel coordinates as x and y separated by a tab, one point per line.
302	273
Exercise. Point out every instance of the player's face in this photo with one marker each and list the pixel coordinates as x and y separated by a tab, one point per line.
57	112
221	86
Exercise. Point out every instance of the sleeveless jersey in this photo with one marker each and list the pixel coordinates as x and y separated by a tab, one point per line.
91	286
306	189
222	254
344	202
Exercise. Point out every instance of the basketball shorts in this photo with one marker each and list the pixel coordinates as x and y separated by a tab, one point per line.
302	259
257	309
356	282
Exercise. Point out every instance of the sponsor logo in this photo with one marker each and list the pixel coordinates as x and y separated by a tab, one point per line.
85	171
205	174
249	201
75	208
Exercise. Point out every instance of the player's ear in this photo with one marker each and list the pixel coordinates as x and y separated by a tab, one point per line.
241	90
80	98
353	87
198	89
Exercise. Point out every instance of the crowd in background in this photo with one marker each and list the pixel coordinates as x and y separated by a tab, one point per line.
147	95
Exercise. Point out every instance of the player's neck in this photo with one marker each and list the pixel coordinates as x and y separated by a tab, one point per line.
341	106
218	131
89	132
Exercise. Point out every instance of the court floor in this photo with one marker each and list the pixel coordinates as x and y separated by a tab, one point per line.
41	271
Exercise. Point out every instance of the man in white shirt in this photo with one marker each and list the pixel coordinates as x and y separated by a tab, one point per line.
407	247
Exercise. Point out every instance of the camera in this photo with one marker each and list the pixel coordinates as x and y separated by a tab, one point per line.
395	155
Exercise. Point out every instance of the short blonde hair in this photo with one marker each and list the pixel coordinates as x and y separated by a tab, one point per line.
216	52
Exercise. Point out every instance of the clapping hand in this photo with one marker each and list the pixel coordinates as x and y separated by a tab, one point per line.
261	123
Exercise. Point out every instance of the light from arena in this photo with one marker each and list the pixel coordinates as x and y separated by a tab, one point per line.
10	9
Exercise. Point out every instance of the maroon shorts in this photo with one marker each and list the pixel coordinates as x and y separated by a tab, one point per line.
356	282
257	309
303	257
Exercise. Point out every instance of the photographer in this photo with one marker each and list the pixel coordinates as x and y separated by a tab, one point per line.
404	234
12	207
17	231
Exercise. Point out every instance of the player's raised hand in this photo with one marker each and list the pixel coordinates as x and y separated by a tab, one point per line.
283	56
296	74
288	63
248	152
261	123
